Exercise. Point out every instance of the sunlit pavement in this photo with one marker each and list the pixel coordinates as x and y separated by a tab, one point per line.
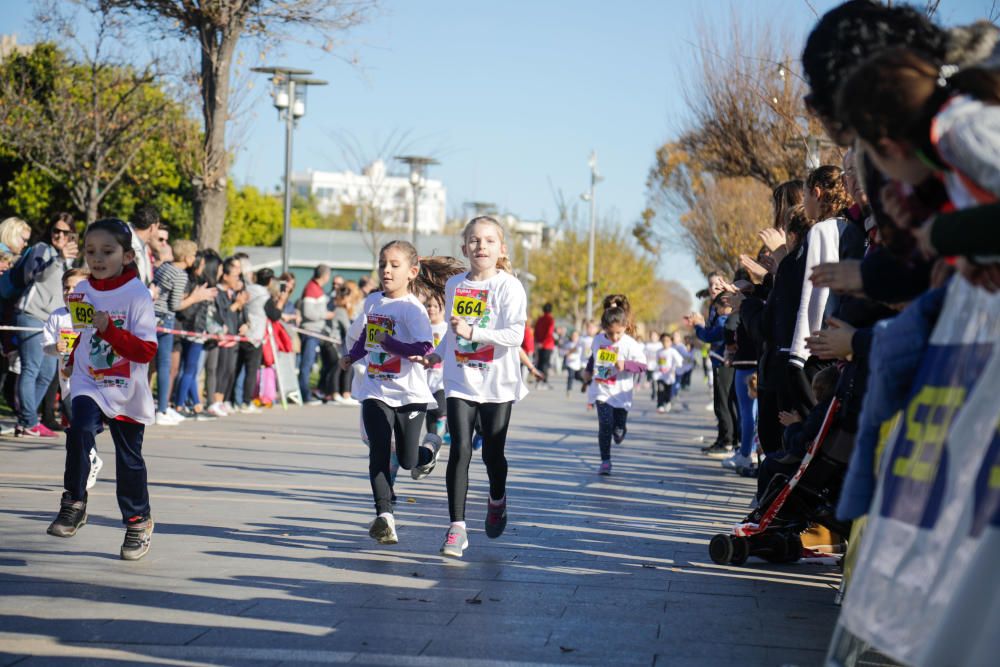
261	554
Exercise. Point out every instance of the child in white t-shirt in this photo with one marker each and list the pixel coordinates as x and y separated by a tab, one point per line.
668	365
392	329
572	359
616	361
58	338
652	348
110	380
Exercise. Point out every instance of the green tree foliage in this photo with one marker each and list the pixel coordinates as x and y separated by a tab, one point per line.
255	218
560	272
95	138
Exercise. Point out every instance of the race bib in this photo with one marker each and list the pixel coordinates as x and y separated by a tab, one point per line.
70	336
469	303
605	370
81	312
377	324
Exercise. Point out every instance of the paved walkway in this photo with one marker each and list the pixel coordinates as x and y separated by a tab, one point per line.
261	554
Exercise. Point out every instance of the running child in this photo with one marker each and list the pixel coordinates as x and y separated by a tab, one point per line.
668	364
58	337
487	308
392	328
653	348
110	381
616	360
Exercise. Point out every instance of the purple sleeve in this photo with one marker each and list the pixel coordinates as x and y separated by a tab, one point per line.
635	367
419	348
358	351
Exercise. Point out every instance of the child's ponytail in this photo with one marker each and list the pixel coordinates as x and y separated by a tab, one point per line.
504	264
434	274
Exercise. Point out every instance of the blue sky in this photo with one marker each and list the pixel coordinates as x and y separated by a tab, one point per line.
509	96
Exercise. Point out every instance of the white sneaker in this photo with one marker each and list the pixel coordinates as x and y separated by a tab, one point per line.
95	467
229	407
710	407
7	429
337	398
178	417
666	408
350	401
735	461
661	409
314	401
216	410
383	529
164	419
250	409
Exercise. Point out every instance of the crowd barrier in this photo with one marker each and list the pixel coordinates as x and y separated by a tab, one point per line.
925	588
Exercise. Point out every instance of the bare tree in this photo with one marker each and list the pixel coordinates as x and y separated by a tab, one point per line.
86	125
216	27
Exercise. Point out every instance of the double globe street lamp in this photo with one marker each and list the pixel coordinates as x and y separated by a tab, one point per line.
288	94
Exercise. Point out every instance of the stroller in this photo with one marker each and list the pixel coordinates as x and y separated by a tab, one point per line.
789	505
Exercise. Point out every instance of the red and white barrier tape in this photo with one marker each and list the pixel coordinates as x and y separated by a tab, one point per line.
176	332
311	334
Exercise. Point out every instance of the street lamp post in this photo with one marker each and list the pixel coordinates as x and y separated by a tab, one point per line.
289	98
595	178
418	165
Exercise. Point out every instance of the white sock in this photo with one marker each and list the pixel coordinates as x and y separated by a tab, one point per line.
460	524
388	516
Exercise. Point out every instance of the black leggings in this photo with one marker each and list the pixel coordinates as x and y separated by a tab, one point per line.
493	420
381	421
664	392
437	413
329	356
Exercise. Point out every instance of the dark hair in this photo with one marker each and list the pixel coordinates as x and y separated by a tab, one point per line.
433	272
145	216
854	31
264	277
824	383
547	308
896	95
56	219
783	197
210	271
614	315
799	223
82	272
621	301
118	230
321	271
229	263
833	197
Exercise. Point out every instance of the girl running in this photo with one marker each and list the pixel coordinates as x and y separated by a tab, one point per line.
393	327
487	308
616	359
668	364
110	381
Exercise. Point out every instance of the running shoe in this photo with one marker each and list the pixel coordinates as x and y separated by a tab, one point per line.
433	443
138	535
456	541
250	409
477	442
383	530
204	416
37	431
95	467
217	410
718	451
666	408
313	402
496	517
350	401
72	517
176	415
736	461
605	468
618	435
661	410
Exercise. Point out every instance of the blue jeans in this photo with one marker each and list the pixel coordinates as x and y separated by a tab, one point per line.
37	371
746	410
187	388
164	348
306	360
130	468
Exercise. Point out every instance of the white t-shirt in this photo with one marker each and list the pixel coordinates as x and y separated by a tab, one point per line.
573	355
687	358
652	350
390	378
585	345
668	364
59	325
486	369
435	374
119	387
610	385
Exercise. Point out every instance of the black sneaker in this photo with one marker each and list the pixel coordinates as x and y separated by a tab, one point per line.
619	435
718	451
383	530
72	517
432	442
138	535
706	448
496	518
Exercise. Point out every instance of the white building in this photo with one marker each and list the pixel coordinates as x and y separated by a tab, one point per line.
391	195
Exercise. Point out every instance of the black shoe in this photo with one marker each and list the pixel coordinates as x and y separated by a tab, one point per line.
138	535
718	451
72	517
618	435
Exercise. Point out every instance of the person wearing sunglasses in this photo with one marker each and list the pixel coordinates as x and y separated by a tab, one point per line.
44	265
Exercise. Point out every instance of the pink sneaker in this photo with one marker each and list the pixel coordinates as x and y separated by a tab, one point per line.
605	468
37	431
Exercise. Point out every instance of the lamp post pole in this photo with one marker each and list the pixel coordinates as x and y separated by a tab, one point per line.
417	164
595	177
288	92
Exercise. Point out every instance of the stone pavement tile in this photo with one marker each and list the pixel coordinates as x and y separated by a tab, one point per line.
46	626
375	638
762	589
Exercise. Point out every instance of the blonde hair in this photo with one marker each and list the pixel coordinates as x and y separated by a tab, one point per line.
184	249
503	262
11	232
